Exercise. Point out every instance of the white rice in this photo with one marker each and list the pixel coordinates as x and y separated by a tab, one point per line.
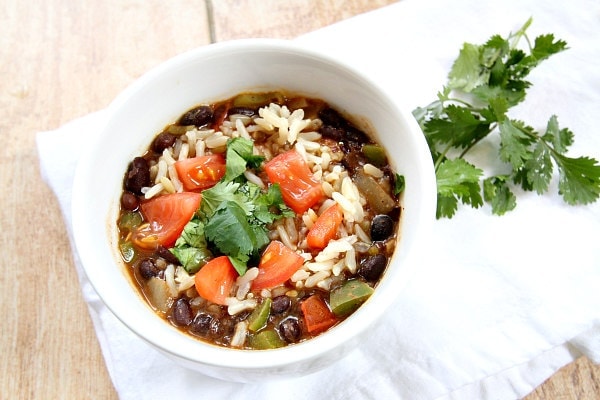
253	178
183	280
167	184
239	335
216	140
314	279
167	157
235	306
241	129
244	282
200	147
361	235
153	191
161	171
291	229
372	170
175	178
170	279
284	237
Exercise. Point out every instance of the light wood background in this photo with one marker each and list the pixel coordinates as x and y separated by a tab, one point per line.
61	59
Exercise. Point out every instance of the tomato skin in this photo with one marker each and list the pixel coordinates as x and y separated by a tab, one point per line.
202	172
325	227
317	315
166	215
277	264
214	280
299	189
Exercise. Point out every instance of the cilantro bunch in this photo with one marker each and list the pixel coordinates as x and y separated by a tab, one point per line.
484	83
233	215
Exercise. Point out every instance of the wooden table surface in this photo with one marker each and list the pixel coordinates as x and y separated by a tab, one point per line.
61	59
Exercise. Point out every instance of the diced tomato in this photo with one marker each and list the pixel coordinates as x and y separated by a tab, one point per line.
214	280
325	227
200	172
299	189
277	264
166	215
317	315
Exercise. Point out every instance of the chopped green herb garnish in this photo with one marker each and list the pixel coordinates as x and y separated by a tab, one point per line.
399	184
233	215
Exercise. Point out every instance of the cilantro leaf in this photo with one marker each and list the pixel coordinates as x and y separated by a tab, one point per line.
538	169
191	248
466	73
514	143
579	179
191	258
545	46
239	265
560	139
459	127
222	192
495	48
497	192
230	231
457	179
239	156
269	206
192	235
399	184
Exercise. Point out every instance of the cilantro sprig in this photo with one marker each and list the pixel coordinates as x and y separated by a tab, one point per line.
484	83
233	215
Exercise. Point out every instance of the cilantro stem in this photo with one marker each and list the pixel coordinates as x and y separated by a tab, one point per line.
441	157
469	147
521	33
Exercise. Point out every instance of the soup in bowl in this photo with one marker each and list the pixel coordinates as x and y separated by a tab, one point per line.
253	208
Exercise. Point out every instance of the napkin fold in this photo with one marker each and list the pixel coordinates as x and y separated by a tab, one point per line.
499	303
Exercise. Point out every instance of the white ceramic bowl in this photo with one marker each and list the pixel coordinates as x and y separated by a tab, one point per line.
216	72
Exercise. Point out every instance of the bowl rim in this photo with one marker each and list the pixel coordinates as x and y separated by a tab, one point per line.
214	355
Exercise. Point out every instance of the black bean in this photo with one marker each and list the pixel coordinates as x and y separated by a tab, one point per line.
166	254
334	124
382	227
289	330
331	117
242	111
372	267
162	141
129	201
148	268
332	132
182	312
280	304
198	116
138	175
202	323
356	136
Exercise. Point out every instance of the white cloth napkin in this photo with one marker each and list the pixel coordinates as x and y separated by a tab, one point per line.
499	303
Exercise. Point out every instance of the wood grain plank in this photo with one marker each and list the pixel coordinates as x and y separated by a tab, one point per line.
579	380
62	59
235	19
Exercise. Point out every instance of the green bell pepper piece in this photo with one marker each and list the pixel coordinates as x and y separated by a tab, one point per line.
258	319
267	339
349	297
